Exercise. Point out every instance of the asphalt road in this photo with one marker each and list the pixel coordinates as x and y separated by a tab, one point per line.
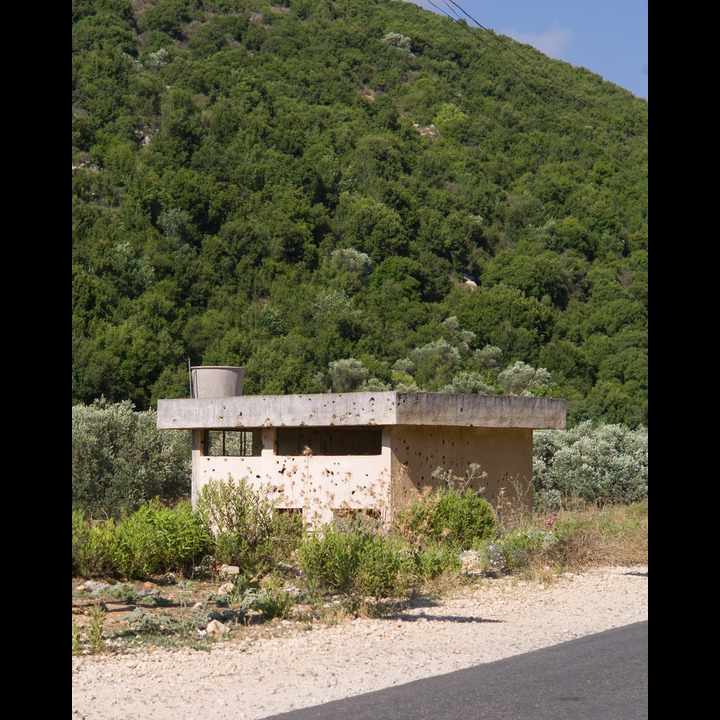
597	677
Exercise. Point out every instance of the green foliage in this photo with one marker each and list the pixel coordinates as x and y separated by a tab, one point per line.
372	227
432	366
434	560
143	622
331	559
459	519
219	32
381	570
604	464
352	261
347	375
123	591
121	461
386	568
97	626
269	598
469	382
516	550
233	525
452	122
94	547
357	561
79	537
76	639
170	15
156	539
521	379
246	529
506	318
538	273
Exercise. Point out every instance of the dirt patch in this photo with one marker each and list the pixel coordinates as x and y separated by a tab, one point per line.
257	671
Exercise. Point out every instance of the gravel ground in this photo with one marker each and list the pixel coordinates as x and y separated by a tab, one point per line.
489	621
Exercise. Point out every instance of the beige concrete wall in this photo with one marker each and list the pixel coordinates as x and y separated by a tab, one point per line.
318	484
323	484
504	454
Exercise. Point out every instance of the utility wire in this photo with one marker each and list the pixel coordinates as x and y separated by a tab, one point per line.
477	35
526	61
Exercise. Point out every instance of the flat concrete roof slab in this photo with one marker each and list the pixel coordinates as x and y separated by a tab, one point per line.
361	408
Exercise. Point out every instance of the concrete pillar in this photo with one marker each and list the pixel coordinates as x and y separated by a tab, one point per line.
268	442
200	444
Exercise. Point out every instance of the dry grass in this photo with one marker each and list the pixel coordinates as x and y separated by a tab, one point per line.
591	537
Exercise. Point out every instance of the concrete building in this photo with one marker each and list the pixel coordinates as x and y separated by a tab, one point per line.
328	455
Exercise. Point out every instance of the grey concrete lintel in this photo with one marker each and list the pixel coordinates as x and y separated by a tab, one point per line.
361	408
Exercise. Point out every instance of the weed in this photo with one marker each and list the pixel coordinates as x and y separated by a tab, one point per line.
76	639
273	603
122	592
513	509
270	599
142	622
97	628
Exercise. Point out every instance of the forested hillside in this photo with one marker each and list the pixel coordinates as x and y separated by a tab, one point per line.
358	194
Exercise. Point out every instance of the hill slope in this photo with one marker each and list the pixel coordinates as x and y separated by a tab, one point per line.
352	194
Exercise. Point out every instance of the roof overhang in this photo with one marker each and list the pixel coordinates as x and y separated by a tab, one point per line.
362	408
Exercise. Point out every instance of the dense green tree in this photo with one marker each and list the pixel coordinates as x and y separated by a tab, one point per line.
406	274
169	16
538	273
506	317
371	227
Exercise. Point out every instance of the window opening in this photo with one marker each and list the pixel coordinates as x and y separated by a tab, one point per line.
234	443
329	441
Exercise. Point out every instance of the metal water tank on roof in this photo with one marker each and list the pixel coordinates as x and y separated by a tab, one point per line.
216	381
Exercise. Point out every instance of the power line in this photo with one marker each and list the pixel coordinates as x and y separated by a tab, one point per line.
474	31
505	45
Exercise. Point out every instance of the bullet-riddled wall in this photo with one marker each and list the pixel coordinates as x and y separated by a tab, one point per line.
320	485
331	454
496	460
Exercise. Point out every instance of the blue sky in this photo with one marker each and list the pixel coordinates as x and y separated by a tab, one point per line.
608	37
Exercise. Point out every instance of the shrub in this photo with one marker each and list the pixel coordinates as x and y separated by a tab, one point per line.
233	525
386	567
602	465
331	558
449	516
434	560
94	547
155	539
80	530
158	539
246	528
522	379
120	460
357	562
